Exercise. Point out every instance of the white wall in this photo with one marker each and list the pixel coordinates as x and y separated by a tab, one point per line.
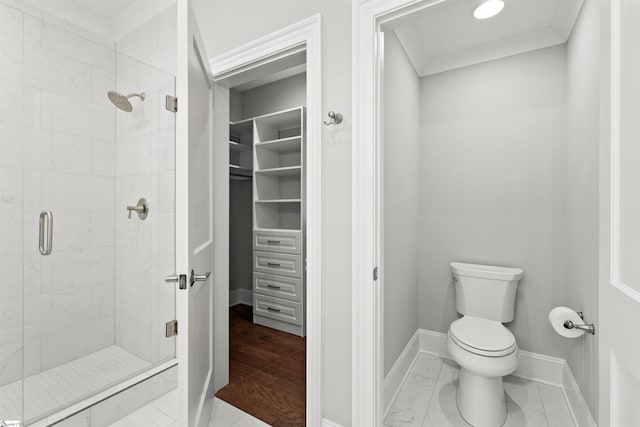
226	24
581	203
56	153
493	186
235	105
240	235
401	117
145	167
280	95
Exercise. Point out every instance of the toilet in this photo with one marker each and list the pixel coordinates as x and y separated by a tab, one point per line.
485	350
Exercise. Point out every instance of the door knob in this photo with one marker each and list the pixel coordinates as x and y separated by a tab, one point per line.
198	277
180	279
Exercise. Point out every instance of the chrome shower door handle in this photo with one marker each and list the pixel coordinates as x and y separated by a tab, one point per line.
46	232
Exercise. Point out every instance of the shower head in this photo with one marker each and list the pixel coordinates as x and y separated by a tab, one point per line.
122	101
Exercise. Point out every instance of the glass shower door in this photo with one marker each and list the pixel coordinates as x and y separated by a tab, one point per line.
93	303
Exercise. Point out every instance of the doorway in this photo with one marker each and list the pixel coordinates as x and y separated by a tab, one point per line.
283	194
371	21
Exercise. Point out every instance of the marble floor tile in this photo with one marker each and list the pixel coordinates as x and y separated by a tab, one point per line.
444	394
555	406
518	416
224	414
428	365
148	416
529	404
163	412
437	417
249	421
411	402
168	404
523	393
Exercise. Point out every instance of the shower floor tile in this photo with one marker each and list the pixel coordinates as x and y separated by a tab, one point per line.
64	384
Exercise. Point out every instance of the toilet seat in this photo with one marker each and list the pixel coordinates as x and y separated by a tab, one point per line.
482	337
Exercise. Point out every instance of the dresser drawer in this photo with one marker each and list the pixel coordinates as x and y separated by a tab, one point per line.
276	263
289	242
277	286
277	308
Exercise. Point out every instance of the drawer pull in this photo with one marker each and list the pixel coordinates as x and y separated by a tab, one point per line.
269	285
273	242
277	310
273	264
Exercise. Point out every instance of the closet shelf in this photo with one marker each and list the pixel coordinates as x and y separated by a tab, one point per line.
241	127
279	201
236	146
282	145
240	171
289	170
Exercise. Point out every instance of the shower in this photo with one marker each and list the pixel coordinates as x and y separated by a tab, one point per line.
69	342
122	101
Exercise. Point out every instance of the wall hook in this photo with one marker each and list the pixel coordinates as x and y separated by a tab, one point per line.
334	118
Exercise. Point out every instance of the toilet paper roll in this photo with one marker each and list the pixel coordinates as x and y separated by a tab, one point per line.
559	315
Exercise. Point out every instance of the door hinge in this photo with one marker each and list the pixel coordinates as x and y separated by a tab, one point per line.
171	103
375	273
171	328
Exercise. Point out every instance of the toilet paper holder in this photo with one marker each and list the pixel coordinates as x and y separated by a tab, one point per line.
587	327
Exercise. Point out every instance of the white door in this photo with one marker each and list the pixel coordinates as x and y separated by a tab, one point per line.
194	223
620	288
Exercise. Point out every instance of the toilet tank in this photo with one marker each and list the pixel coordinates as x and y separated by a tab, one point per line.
485	291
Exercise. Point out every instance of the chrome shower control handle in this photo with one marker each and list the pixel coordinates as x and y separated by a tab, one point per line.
142	209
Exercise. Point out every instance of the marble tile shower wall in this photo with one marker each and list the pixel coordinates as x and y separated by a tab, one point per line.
57	152
145	167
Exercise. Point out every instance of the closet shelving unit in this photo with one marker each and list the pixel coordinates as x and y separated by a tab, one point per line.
279	220
241	150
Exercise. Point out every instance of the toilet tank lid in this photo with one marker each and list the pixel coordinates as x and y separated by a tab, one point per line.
486	271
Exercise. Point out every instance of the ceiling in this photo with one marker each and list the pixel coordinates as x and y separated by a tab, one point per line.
446	36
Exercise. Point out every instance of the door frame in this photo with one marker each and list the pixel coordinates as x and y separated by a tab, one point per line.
276	46
370	18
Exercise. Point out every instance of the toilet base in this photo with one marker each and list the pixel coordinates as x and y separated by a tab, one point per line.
481	400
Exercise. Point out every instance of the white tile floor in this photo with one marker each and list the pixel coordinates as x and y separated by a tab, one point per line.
59	386
163	412
427	398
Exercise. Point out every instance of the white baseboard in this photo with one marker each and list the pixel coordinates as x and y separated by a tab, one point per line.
540	368
533	366
399	371
434	343
328	423
578	406
240	296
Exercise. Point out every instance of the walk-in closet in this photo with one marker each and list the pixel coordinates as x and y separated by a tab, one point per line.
267	246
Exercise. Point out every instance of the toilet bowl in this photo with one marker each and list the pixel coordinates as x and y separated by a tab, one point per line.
479	342
486	351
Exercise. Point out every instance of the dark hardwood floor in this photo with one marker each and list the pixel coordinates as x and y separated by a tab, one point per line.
266	371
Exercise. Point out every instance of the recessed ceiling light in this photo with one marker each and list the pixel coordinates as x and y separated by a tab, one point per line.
488	9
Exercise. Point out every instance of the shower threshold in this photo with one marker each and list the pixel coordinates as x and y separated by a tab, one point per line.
59	392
